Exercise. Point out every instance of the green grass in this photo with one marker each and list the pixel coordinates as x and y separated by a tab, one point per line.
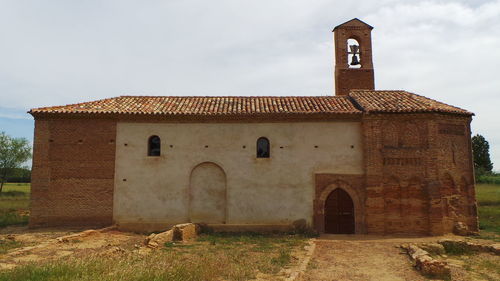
212	257
282	259
488	199
14	204
456	249
21	187
488	194
6	245
489	179
487	267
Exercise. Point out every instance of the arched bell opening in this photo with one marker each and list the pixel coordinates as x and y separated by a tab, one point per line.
339	213
353	53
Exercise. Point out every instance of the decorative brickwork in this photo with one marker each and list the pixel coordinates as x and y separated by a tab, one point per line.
73	172
353	185
418	173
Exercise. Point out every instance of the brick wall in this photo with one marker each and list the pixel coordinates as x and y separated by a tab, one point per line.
353	79
73	172
346	78
419	176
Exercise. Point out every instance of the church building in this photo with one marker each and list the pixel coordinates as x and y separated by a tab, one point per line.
362	161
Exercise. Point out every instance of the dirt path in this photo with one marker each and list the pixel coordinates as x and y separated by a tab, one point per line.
363	258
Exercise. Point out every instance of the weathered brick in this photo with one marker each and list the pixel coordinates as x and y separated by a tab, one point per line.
73	172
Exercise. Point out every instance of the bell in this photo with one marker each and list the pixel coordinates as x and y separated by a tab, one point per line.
354	60
354	49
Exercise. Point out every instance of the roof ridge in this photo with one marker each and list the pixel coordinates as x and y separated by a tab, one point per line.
139	96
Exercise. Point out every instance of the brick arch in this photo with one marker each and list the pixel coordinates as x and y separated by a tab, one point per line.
410	133
449	201
471	211
463	188
356	199
390	135
392	205
447	185
418	207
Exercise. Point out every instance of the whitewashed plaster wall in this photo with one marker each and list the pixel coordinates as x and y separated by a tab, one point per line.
276	190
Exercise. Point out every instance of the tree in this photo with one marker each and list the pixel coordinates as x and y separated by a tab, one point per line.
13	153
481	153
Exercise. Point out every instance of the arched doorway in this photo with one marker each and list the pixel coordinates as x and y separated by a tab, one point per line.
207	194
339	213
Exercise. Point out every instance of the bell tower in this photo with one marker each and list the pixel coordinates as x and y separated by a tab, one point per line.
353	57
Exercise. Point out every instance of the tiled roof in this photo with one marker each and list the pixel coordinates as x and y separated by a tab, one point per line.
400	101
162	105
358	101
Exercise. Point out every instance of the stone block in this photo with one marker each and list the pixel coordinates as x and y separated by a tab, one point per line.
187	231
461	229
157	240
426	264
433	248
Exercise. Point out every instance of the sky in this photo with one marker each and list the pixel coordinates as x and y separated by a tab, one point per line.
58	52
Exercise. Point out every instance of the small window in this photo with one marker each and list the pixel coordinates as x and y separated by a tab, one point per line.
263	148
154	146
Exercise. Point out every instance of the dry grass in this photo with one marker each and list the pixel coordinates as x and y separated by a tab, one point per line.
477	266
212	257
6	245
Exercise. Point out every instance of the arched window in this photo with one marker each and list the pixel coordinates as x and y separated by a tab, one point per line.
154	146
263	148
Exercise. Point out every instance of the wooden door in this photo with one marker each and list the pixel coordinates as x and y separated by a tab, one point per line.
339	213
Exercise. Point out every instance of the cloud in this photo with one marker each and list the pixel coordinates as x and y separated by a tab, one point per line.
447	51
60	52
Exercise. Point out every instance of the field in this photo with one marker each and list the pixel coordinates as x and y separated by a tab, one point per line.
210	257
488	197
243	256
14	204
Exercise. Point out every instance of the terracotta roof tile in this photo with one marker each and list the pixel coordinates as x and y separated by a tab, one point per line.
372	101
163	105
358	101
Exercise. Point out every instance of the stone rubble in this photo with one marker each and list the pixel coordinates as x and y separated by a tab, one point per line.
433	248
180	232
426	264
491	248
85	233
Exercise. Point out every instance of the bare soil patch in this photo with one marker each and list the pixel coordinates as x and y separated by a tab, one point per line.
366	257
40	245
360	258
